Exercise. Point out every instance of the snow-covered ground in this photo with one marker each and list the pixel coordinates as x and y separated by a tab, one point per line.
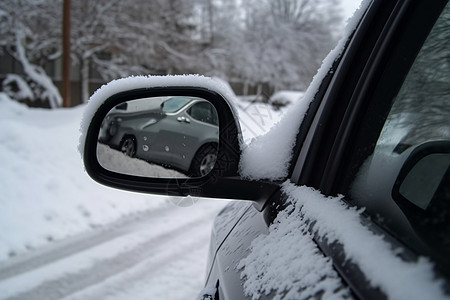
47	198
45	193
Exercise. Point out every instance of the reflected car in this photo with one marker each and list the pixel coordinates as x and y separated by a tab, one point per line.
177	132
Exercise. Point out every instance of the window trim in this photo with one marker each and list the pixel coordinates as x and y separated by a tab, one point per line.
352	137
335	94
357	139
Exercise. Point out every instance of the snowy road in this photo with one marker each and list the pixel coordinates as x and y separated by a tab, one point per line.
60	237
146	257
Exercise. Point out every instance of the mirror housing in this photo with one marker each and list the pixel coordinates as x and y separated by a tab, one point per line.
222	182
422	191
423	175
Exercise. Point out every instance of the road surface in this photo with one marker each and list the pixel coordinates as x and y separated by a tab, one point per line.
158	254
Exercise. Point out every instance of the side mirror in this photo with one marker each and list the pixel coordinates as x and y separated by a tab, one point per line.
423	176
167	135
422	191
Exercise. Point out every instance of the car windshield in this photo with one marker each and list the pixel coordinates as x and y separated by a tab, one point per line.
174	104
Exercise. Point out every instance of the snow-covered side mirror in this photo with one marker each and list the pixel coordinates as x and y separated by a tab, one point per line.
168	135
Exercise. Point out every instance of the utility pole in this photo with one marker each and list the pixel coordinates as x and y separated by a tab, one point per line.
66	54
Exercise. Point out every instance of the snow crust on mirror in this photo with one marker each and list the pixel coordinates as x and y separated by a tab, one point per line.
114	160
138	82
287	260
269	156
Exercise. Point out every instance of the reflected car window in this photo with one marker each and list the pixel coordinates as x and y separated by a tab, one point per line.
204	112
174	104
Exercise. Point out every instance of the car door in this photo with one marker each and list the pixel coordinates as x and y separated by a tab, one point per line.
200	127
362	116
399	104
398	165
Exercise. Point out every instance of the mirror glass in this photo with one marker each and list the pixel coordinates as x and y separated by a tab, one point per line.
426	179
163	137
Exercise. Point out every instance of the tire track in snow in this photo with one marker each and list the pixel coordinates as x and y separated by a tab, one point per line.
131	282
101	271
78	243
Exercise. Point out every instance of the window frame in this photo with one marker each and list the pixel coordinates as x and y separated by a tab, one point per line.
365	102
328	133
369	108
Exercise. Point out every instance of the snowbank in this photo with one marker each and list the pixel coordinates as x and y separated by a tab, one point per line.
45	193
283	98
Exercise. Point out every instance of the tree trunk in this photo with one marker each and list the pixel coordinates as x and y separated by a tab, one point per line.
84	79
245	91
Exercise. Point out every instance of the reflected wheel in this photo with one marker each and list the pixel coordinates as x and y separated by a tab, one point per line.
204	161
128	146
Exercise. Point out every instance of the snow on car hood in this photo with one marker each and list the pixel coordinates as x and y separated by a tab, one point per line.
288	261
138	82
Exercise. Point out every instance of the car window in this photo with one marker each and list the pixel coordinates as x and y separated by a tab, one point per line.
405	182
174	104
421	110
204	112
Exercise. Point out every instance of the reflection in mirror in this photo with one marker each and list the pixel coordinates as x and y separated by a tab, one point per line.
426	180
163	137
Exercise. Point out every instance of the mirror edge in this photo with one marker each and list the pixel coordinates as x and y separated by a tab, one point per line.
230	141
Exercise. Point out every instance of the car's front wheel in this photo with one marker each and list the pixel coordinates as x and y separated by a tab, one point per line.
128	146
204	161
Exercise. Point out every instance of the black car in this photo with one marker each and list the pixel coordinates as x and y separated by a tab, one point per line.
374	140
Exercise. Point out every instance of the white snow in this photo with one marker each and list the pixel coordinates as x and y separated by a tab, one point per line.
288	257
23	90
42	177
143	261
288	261
278	143
350	6
115	160
286	97
269	156
257	118
45	193
138	82
47	198
37	74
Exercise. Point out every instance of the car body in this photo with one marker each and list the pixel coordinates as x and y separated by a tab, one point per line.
358	140
173	132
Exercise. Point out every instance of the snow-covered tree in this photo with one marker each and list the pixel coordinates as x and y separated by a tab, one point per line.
276	42
30	34
279	43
